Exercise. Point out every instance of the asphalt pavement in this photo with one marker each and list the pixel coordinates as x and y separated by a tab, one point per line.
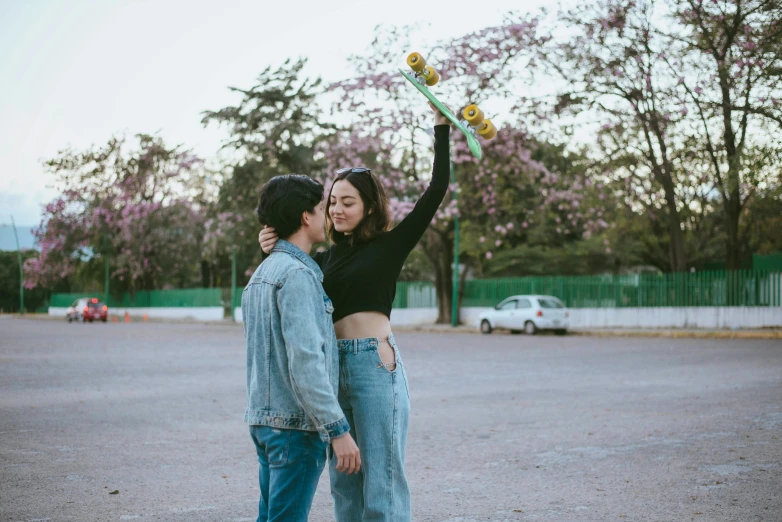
143	421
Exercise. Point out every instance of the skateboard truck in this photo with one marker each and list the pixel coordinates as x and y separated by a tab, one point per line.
424	74
477	122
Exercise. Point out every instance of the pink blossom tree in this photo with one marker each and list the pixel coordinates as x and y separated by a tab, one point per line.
138	203
680	97
504	192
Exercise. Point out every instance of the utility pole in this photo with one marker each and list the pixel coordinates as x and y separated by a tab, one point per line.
21	269
233	280
455	290
106	281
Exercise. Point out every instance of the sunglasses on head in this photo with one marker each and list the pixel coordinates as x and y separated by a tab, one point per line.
353	170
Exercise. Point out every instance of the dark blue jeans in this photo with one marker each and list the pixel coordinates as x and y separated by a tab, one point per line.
291	462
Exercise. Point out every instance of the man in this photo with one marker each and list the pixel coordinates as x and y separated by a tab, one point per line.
292	357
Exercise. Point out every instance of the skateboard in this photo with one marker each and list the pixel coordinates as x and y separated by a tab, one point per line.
473	120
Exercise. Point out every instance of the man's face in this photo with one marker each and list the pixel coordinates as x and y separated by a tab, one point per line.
318	223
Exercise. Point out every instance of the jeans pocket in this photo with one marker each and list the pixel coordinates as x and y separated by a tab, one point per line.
278	447
383	366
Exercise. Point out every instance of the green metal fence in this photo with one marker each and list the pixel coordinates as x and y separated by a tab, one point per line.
415	295
719	288
408	295
190	297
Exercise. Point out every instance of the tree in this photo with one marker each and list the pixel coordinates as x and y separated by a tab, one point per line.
275	129
686	92
9	284
729	58
140	204
496	195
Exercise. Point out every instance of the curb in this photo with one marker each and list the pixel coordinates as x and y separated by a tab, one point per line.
672	333
687	334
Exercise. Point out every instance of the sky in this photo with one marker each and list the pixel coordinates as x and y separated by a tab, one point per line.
75	72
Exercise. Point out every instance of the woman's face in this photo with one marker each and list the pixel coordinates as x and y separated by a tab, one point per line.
346	207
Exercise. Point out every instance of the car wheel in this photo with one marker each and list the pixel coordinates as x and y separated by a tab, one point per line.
70	319
486	327
104	319
561	331
530	328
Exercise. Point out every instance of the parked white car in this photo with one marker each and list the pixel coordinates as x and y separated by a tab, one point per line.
528	314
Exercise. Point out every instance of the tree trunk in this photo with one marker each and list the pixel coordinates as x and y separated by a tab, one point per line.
732	192
438	247
678	258
205	279
733	253
663	171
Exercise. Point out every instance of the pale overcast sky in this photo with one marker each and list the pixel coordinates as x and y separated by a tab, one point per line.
74	72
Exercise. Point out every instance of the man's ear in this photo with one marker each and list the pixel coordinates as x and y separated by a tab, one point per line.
305	218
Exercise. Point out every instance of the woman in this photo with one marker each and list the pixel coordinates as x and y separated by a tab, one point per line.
360	271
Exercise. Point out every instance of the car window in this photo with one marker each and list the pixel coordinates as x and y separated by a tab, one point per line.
524	303
96	305
549	303
510	305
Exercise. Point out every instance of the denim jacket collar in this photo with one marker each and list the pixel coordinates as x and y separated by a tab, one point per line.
298	253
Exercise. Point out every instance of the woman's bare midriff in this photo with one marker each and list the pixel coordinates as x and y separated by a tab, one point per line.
368	324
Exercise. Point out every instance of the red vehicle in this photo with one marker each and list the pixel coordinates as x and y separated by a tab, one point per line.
87	309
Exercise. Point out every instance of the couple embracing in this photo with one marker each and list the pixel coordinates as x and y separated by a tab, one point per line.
325	379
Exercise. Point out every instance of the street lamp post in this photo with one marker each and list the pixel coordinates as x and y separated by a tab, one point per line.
455	287
21	269
105	244
233	280
106	282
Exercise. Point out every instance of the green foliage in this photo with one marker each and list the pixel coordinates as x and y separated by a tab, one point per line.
277	121
9	284
276	128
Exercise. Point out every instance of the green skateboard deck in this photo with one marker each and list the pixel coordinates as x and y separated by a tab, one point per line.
472	141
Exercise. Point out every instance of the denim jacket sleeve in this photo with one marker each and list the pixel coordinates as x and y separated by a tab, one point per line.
300	312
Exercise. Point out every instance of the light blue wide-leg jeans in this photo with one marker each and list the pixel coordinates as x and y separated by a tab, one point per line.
376	402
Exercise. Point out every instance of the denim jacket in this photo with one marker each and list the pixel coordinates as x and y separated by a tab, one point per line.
292	355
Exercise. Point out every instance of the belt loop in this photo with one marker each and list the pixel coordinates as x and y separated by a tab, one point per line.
355	346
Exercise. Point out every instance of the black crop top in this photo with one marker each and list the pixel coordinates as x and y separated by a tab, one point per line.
362	278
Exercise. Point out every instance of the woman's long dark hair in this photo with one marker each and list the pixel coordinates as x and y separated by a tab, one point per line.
377	216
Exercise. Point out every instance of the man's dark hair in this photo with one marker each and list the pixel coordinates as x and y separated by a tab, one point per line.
283	199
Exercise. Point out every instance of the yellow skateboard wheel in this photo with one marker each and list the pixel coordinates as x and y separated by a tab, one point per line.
487	130
431	75
416	62
473	115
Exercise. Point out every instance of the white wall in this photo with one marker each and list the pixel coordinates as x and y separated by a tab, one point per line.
671	317
203	313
